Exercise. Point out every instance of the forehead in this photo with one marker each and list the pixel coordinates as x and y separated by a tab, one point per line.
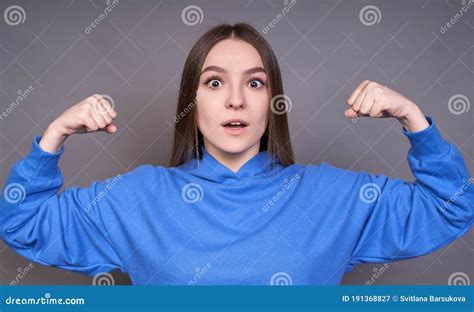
234	55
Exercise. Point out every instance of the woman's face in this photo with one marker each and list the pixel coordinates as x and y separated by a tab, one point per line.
232	98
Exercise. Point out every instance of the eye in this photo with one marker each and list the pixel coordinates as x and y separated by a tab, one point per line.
256	83
213	82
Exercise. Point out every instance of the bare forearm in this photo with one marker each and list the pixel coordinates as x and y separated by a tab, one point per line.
92	114
376	100
414	120
52	139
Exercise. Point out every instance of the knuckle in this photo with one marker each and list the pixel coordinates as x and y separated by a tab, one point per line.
89	127
372	84
378	91
86	108
83	116
92	125
91	99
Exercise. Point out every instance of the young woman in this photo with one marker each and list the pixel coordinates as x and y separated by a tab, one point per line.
233	207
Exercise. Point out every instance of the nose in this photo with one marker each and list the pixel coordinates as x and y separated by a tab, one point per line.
235	99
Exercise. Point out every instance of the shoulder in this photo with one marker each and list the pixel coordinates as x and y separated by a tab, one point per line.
327	173
138	175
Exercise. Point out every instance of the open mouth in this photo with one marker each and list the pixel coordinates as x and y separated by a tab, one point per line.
235	125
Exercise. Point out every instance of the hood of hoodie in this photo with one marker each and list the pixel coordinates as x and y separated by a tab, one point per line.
209	168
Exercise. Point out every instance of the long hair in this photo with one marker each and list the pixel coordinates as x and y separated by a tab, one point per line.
187	137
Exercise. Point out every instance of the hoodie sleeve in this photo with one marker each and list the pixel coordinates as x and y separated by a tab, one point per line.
400	220
62	230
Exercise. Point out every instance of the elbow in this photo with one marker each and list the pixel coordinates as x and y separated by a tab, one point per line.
458	210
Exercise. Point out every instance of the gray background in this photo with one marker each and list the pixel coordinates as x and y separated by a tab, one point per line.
137	53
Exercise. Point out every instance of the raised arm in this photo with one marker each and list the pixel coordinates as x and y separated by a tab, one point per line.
63	230
397	219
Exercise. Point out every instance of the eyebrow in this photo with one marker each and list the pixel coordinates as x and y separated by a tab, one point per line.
245	72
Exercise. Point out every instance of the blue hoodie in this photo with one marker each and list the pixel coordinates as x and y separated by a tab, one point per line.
201	223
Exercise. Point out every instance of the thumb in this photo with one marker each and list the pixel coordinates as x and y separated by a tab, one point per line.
350	113
111	128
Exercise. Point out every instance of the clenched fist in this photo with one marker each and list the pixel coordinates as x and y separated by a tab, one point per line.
94	113
375	100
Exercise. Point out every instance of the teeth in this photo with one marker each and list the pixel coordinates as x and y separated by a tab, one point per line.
235	124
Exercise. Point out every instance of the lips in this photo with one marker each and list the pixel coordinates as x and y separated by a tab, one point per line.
235	123
235	127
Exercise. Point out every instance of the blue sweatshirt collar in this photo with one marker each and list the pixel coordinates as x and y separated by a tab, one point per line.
210	168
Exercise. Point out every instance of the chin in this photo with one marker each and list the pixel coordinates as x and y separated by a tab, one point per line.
234	146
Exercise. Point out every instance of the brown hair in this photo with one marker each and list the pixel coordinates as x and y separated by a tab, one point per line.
187	137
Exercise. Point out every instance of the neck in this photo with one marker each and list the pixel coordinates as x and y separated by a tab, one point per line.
233	161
